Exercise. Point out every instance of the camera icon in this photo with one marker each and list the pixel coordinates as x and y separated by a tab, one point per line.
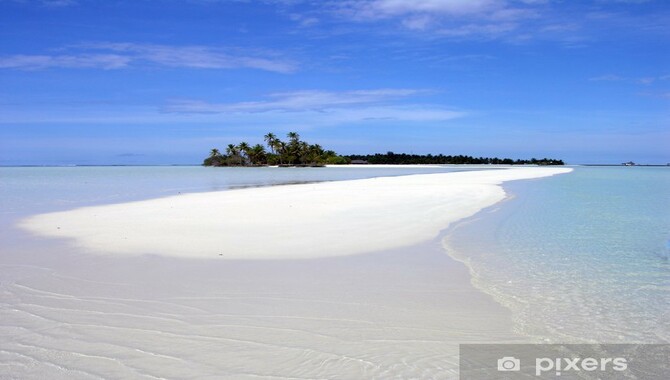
509	363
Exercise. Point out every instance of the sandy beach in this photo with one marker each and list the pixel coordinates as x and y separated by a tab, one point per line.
291	221
336	280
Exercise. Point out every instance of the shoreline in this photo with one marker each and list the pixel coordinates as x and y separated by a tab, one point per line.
542	268
458	247
285	222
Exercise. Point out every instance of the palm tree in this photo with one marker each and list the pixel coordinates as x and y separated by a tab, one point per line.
231	150
282	151
244	150
271	139
316	154
291	152
215	158
294	137
233	153
302	152
257	154
277	146
317	148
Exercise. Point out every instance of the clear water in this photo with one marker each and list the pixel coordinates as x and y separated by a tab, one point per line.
28	190
582	257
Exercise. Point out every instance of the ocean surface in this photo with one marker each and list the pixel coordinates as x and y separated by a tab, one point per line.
30	190
582	257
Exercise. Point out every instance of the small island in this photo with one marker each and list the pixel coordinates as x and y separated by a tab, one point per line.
298	153
293	152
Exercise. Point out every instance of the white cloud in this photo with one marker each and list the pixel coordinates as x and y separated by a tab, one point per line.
204	114
386	8
418	22
304	21
38	62
648	80
121	55
58	3
324	108
447	18
656	94
411	113
607	78
484	30
196	57
296	101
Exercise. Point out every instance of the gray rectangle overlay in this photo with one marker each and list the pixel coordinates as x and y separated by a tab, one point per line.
564	361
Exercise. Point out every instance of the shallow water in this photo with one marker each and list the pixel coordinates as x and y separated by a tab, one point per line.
393	315
30	190
67	314
582	257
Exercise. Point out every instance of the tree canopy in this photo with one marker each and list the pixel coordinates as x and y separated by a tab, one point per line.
440	159
293	152
296	152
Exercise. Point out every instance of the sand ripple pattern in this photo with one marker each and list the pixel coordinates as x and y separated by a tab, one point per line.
60	326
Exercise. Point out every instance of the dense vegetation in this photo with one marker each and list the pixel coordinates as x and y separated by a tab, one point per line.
293	152
296	152
393	158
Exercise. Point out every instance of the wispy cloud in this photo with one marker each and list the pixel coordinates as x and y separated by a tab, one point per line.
656	94
483	30
572	24
199	57
58	3
405	113
489	18
296	101
606	78
304	20
122	55
317	108
647	80
376	9
38	62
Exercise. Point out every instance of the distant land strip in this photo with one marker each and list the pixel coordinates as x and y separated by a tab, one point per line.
440	159
296	152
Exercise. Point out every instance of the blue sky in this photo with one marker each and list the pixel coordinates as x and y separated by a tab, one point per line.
162	82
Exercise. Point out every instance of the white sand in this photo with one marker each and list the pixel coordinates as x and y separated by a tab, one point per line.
291	221
396	314
391	315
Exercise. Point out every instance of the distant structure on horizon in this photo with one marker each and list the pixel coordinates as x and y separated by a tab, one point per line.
629	163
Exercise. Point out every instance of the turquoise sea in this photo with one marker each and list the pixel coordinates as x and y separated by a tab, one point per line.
27	190
582	257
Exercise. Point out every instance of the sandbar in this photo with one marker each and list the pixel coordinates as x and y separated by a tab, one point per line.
302	221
